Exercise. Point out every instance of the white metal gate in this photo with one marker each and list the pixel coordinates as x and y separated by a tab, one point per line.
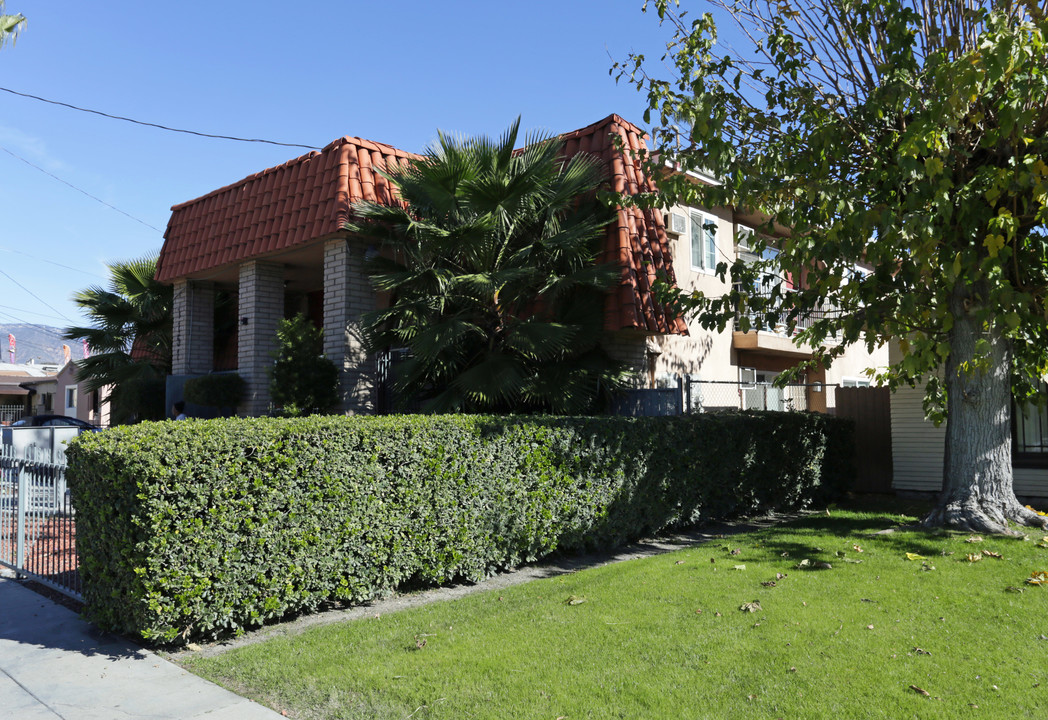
37	523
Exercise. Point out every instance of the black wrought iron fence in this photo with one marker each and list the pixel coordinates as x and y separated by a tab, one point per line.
803	321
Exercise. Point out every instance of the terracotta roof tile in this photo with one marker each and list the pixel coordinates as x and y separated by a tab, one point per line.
638	240
311	196
272	210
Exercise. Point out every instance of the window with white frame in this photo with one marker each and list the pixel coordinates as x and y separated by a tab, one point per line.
703	242
1030	429
855	382
70	394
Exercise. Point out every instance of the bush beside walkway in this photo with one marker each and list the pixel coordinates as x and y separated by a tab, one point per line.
200	529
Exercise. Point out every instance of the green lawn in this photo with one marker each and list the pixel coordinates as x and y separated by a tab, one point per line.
664	637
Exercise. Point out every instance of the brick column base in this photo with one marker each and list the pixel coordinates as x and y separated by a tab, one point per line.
261	309
348	294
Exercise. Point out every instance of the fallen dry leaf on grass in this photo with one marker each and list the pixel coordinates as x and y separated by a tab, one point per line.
974	539
739	567
1038	577
918	690
914	556
990	553
974	557
856	548
574	600
752	607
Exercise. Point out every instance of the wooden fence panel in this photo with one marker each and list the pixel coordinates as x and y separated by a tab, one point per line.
870	408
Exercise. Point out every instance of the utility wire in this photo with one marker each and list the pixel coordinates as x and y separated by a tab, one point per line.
31	312
161	127
111	207
34	294
52	262
45	329
40	328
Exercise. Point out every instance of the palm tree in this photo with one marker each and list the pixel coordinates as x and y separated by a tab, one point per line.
490	266
10	26
130	339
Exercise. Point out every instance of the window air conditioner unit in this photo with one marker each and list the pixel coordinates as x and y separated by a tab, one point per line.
676	224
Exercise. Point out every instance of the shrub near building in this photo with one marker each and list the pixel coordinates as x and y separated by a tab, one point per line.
203	529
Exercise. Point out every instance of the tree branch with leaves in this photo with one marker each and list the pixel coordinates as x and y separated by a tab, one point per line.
910	136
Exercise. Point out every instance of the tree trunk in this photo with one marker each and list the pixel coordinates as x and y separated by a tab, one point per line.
977	494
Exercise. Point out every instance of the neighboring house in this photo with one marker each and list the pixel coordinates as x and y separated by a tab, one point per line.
917	447
72	399
18	389
274	241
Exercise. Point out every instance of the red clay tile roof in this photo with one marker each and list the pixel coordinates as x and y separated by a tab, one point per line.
280	208
310	197
637	241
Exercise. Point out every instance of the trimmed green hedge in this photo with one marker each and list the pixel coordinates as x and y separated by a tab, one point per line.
200	529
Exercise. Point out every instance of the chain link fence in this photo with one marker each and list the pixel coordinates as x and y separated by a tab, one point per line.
695	396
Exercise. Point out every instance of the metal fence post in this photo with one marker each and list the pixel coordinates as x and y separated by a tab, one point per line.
23	509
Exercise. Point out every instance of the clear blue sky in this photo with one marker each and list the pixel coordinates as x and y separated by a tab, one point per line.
300	73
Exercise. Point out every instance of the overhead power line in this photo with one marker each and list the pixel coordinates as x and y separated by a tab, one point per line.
31	312
52	262
85	192
34	294
158	126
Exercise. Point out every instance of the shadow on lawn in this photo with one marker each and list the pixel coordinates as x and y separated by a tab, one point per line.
892	523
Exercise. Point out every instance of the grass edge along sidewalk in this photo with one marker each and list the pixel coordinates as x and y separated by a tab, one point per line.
820	617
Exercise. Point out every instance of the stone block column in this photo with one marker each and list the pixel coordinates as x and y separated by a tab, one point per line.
261	308
193	341
347	295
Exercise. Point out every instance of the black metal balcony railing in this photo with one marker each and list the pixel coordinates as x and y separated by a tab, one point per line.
782	327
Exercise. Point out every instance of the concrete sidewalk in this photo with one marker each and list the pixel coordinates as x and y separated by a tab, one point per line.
55	665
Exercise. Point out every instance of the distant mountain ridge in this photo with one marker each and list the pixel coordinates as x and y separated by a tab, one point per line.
37	344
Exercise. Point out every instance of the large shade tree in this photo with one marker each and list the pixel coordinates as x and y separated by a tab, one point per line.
911	135
490	269
129	337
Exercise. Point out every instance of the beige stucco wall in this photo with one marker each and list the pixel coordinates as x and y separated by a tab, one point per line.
709	354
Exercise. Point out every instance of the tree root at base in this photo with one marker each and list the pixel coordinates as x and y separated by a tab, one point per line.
991	517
